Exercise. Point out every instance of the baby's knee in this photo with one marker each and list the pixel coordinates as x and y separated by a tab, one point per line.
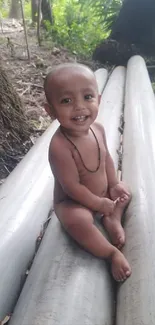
76	222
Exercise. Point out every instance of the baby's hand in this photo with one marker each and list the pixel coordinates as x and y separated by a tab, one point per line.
107	206
119	191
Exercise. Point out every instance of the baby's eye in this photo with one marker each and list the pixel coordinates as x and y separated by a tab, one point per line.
65	100
89	96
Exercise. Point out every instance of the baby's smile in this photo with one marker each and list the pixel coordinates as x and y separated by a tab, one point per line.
81	118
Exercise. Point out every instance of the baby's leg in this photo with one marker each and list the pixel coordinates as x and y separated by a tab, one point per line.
78	222
113	223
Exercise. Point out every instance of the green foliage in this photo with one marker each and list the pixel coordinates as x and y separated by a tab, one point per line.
76	26
27	9
4	9
107	11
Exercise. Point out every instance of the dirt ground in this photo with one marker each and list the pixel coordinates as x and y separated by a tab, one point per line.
27	78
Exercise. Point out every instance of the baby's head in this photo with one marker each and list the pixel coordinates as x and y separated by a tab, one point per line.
72	95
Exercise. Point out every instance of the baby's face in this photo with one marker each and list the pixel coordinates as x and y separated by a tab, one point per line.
74	98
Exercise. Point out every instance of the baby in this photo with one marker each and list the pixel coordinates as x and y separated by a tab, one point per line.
85	177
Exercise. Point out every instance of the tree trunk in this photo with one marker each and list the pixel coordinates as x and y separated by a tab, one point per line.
34	10
46	11
136	25
15	9
14	128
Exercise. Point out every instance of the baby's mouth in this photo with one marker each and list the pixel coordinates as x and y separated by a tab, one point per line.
80	118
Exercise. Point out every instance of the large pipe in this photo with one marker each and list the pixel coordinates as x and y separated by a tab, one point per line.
136	297
100	74
67	285
111	108
25	201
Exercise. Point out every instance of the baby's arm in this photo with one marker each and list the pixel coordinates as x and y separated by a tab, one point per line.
64	168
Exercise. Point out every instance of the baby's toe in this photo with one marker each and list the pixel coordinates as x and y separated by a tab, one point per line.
123	276
128	273
121	242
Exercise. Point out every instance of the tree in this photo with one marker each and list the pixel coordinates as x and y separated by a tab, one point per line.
34	10
15	9
46	11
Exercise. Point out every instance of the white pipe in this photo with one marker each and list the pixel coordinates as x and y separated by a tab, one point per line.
66	285
111	108
100	74
136	297
25	201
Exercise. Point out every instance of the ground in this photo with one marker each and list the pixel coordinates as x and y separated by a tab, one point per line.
27	78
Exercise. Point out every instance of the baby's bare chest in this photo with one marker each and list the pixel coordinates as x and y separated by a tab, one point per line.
90	163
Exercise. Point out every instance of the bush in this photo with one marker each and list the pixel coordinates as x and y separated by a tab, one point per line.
76	26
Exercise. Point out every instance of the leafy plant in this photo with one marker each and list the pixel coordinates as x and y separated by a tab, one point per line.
4	8
76	26
106	10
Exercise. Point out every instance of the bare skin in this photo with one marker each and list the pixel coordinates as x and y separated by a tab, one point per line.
113	223
81	189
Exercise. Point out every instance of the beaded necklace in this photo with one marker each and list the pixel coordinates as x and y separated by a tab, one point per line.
99	151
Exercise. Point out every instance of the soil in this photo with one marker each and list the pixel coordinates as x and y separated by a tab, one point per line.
27	78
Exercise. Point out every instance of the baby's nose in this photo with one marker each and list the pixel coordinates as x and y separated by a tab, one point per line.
79	105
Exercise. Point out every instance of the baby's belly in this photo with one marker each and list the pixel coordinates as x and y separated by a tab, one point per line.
97	184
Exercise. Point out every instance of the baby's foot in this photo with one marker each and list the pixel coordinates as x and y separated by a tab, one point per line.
123	201
115	231
121	269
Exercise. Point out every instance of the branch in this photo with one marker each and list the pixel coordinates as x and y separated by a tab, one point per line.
38	22
25	31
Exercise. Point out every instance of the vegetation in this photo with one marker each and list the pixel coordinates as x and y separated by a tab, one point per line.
78	25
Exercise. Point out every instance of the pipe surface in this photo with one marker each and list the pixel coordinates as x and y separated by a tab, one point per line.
25	201
136	297
111	109
101	74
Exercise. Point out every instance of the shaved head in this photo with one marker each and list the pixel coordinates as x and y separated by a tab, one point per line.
64	69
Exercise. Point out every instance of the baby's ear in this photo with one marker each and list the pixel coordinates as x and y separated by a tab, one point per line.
50	111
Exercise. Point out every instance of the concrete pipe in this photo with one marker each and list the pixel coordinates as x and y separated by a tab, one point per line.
111	109
136	297
100	74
